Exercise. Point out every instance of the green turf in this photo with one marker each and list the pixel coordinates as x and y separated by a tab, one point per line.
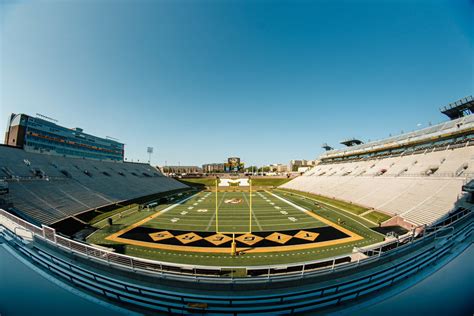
266	217
211	182
198	181
377	217
198	214
269	181
103	216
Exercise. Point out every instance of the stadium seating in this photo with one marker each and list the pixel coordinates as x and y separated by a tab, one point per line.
50	188
419	184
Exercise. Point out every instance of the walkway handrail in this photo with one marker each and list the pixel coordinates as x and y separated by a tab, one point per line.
201	271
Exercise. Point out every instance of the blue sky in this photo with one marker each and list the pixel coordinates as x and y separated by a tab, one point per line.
268	81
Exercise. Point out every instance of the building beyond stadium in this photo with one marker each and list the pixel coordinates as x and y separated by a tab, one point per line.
35	134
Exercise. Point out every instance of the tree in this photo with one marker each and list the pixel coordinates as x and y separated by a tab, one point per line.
251	169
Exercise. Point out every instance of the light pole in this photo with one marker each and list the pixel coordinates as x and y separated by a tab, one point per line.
149	150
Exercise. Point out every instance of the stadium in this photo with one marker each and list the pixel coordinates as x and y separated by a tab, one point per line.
368	220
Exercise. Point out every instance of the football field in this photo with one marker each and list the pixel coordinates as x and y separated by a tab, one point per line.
233	214
266	226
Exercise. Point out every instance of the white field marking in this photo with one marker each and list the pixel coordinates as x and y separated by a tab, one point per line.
279	220
271	203
186	224
277	207
198	219
328	204
285	224
176	204
190	208
289	203
212	219
202	211
195	204
292	219
365	213
214	214
253	213
184	213
284	212
197	222
174	220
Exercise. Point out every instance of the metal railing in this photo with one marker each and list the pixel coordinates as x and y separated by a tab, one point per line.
364	255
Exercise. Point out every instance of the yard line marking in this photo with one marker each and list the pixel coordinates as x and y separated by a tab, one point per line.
353	235
174	220
214	214
335	208
253	213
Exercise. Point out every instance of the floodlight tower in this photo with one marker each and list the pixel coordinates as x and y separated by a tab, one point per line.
149	150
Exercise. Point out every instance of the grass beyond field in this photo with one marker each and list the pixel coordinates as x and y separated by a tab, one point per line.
211	182
373	216
377	217
356	209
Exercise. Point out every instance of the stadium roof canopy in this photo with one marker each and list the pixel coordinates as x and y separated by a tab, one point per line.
459	108
326	146
351	142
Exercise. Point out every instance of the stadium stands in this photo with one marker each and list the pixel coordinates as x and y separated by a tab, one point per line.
431	133
49	188
416	176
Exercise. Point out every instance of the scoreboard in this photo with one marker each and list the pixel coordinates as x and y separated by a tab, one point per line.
233	164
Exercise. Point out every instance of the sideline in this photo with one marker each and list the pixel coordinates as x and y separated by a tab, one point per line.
336	207
353	236
114	236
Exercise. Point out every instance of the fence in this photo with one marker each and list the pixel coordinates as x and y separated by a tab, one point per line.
198	272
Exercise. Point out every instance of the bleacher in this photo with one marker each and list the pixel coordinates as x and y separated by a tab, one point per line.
431	132
49	188
418	182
